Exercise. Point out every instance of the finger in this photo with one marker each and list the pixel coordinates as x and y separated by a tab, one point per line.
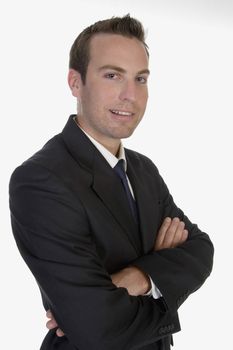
51	324
184	236
59	333
177	239
49	314
182	239
170	234
162	232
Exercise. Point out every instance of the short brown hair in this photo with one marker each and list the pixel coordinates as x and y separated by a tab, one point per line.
126	26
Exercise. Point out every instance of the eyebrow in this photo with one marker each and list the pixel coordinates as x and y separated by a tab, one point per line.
122	70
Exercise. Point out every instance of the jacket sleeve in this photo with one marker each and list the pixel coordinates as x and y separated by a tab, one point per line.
53	235
180	271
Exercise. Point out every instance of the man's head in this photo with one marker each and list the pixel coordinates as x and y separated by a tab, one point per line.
110	81
80	50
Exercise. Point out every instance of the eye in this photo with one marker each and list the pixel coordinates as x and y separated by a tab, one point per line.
141	80
111	76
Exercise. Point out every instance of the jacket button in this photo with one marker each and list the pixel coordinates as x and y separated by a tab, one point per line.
170	327
161	330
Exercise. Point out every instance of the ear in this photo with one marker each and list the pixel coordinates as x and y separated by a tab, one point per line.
75	82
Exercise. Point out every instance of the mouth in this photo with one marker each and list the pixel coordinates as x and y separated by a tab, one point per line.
121	113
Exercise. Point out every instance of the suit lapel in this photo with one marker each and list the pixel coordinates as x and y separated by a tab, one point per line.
147	202
109	189
105	183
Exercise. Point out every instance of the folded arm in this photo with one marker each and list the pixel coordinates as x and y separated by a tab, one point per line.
177	269
54	237
171	234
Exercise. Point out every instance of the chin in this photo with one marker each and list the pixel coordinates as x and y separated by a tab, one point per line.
127	134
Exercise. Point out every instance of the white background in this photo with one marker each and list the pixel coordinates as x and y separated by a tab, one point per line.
186	132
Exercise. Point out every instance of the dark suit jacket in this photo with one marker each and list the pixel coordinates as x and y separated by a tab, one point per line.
74	228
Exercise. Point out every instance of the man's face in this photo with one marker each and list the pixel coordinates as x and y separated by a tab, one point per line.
113	99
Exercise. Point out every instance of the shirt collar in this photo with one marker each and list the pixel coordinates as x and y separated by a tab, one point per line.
110	158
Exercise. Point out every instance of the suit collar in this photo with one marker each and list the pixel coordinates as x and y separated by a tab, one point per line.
74	137
78	144
105	183
110	158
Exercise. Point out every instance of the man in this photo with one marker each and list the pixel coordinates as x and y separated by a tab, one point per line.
113	256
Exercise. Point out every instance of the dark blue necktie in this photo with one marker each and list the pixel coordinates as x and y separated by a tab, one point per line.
120	171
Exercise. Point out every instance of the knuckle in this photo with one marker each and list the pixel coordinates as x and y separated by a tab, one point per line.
176	220
49	314
48	325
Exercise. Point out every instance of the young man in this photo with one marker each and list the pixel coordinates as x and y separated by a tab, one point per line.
112	254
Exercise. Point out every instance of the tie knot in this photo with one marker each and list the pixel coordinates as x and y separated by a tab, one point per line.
120	164
120	169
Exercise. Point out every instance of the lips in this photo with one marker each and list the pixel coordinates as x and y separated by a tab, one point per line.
121	113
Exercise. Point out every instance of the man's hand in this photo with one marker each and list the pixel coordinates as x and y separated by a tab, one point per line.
171	234
133	279
53	324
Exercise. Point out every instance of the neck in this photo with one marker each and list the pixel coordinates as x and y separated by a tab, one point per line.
112	145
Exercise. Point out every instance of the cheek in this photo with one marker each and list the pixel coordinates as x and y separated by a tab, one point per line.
143	101
142	96
146	94
99	96
90	101
105	100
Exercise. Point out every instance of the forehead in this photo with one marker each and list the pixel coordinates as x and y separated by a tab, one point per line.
117	50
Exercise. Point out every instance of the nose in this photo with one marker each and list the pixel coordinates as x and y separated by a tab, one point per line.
128	91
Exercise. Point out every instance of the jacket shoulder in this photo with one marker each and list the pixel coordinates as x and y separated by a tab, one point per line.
51	158
141	161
